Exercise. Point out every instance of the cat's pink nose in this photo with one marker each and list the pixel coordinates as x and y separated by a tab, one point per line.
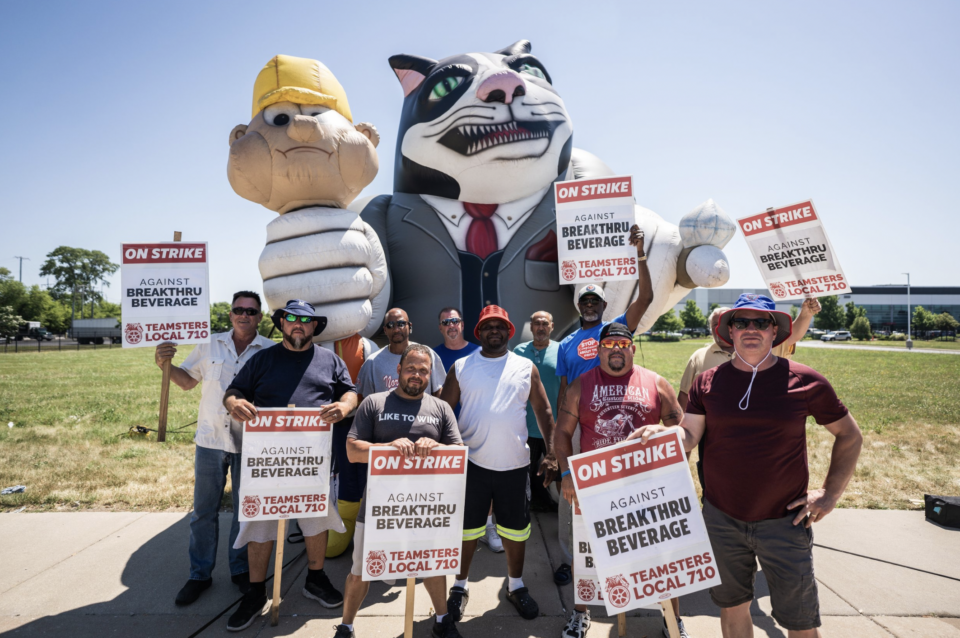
502	86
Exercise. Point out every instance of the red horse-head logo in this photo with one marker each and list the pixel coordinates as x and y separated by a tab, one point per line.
376	563
251	506
133	332
618	590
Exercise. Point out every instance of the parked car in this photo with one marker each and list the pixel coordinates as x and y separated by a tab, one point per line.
33	330
839	335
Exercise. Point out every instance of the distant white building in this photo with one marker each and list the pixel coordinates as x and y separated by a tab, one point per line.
886	305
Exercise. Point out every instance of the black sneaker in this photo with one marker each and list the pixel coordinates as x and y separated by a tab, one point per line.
446	628
191	591
343	632
242	581
526	605
319	588
457	603
251	607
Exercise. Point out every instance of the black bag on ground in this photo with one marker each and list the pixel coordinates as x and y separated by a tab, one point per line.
944	510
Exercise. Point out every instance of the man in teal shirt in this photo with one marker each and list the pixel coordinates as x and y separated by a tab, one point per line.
543	352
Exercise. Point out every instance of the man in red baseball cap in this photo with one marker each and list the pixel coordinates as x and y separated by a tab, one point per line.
493	386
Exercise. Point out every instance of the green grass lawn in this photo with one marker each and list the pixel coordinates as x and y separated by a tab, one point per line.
71	412
933	344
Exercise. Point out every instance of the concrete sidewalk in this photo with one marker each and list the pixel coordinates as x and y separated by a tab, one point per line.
116	574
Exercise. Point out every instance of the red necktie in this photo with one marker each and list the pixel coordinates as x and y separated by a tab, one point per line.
482	235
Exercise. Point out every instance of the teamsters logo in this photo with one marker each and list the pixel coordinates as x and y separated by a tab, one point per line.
586	589
133	332
569	270
376	563
778	290
618	590
251	506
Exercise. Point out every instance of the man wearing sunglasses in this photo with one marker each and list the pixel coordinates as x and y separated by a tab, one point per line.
218	439
379	372
752	414
307	376
454	346
493	385
608	403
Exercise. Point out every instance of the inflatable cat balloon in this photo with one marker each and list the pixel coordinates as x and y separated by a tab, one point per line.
302	156
471	222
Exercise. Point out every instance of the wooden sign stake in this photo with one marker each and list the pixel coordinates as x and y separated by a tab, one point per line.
165	387
408	615
278	565
672	627
621	625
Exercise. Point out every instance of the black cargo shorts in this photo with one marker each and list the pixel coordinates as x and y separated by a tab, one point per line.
785	552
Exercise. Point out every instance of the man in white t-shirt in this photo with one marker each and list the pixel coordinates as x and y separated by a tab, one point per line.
493	386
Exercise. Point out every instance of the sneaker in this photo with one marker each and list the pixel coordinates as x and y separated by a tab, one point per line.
252	605
526	605
457	603
445	628
577	626
563	575
319	588
492	539
343	632
683	630
191	591
242	581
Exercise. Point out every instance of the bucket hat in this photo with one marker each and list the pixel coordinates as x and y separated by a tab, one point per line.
493	312
300	308
750	301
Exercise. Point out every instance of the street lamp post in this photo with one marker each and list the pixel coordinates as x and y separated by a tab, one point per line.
909	335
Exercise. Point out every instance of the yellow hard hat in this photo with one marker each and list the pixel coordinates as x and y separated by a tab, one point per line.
301	81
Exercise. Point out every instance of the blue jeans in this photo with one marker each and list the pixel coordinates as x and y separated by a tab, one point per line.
210	479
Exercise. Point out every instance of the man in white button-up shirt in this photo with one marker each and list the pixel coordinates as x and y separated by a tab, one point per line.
218	439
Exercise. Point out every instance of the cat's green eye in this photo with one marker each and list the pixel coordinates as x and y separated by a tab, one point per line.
532	70
445	87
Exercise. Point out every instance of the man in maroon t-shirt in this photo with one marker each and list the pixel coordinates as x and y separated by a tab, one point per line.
751	413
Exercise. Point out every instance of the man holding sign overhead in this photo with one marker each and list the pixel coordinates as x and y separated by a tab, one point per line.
751	413
303	375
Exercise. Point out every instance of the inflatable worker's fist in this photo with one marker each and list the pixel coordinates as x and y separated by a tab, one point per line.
331	258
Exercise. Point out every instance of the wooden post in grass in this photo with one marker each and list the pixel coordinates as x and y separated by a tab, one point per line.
165	387
278	565
621	625
408	615
672	627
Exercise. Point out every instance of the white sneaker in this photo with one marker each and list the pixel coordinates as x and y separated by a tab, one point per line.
683	630
492	539
577	626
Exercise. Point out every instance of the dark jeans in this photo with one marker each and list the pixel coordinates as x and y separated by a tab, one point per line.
210	480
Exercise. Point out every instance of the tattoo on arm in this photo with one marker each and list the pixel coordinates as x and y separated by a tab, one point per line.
674	416
564	409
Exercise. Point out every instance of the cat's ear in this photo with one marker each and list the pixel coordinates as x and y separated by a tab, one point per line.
518	47
411	70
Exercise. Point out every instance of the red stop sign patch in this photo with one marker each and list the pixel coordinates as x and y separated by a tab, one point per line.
588	348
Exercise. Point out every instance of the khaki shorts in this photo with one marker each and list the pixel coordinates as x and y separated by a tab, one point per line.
785	552
357	569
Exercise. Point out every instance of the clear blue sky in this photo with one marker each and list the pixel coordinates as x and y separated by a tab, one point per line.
116	114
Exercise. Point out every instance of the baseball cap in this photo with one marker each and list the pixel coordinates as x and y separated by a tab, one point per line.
615	330
591	289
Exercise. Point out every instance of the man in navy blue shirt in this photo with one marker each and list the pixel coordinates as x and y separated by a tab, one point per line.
454	345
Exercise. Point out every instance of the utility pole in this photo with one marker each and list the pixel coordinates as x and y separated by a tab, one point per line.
909	337
21	265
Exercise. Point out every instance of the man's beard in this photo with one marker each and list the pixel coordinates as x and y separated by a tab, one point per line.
296	341
414	391
617	363
591	315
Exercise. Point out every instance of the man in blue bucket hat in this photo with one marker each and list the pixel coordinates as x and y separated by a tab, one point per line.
300	373
751	413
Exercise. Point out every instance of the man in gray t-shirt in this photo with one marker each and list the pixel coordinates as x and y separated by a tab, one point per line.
414	422
379	371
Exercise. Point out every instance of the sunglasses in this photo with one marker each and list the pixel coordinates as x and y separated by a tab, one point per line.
623	344
452	321
390	325
295	318
250	312
743	324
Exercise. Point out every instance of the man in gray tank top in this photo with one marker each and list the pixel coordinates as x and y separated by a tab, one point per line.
493	386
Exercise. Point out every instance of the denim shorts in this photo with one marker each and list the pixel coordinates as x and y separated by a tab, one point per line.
785	552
